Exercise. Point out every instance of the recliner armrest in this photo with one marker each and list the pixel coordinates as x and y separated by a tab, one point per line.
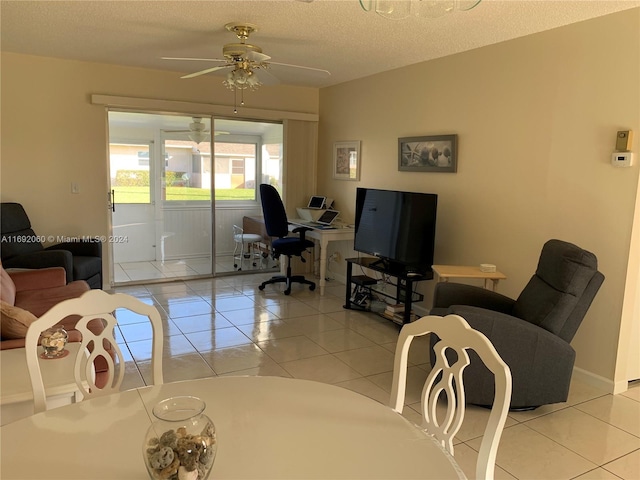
510	335
43	259
447	294
541	363
85	248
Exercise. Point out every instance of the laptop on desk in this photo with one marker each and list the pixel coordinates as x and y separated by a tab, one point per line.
316	202
324	222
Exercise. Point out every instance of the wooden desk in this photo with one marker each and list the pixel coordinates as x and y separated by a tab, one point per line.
267	428
446	272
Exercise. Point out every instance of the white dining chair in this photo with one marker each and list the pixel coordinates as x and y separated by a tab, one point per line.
101	306
444	382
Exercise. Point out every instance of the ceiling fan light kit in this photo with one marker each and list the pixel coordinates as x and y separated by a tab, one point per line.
245	61
401	9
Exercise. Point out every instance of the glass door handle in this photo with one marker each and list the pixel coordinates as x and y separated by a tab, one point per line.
111	200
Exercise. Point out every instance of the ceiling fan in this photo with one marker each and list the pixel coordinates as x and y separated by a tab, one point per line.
197	131
248	66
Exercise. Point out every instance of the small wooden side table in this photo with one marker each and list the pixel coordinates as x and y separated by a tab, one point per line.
446	272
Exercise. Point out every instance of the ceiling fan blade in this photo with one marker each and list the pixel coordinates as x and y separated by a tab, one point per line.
266	77
257	56
317	71
195	59
204	72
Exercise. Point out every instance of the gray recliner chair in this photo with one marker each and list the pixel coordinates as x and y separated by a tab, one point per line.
531	334
20	247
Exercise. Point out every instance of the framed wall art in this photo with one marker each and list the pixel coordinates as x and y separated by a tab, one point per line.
436	153
346	160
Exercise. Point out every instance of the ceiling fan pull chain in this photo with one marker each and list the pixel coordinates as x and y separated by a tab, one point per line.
235	103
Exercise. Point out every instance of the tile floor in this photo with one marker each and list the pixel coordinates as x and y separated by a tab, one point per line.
226	326
190	267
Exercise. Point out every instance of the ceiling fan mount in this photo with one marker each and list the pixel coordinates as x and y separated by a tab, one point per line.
238	52
242	30
197	131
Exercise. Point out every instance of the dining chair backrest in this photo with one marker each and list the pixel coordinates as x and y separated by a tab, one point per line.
104	307
444	383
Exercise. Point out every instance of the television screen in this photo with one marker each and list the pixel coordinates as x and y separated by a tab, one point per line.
398	227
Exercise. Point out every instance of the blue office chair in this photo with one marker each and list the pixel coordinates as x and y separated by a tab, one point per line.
277	225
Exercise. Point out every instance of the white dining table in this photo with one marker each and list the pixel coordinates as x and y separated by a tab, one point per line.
267	428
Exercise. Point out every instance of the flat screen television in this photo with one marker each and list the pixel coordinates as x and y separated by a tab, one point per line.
397	227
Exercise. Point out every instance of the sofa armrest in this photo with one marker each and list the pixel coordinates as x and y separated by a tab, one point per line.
84	248
12	343
447	294
38	279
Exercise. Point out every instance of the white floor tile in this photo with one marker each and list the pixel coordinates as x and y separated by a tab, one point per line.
595	440
324	368
527	454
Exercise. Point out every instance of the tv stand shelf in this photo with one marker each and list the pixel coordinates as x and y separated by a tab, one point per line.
404	286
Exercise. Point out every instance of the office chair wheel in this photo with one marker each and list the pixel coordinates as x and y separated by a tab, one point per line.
312	287
260	287
287	291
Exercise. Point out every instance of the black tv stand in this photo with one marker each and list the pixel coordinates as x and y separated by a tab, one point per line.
404	285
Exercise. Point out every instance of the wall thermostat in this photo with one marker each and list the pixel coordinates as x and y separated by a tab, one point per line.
622	159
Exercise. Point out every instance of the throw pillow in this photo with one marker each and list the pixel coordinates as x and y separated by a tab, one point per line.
14	321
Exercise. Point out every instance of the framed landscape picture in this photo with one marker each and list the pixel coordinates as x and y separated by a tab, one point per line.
428	154
346	160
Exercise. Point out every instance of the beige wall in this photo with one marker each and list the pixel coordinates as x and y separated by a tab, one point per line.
52	135
536	120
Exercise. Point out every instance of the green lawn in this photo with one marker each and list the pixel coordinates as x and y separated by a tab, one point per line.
141	194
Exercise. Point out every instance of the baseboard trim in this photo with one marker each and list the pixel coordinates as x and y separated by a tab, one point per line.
598	381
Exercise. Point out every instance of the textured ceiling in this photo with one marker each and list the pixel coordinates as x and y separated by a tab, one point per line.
336	35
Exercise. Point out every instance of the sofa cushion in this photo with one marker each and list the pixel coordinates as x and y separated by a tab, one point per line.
14	321
39	301
7	287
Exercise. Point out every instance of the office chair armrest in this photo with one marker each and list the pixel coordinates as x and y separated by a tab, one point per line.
301	231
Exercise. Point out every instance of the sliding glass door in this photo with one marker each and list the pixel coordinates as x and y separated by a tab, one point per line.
161	197
176	199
